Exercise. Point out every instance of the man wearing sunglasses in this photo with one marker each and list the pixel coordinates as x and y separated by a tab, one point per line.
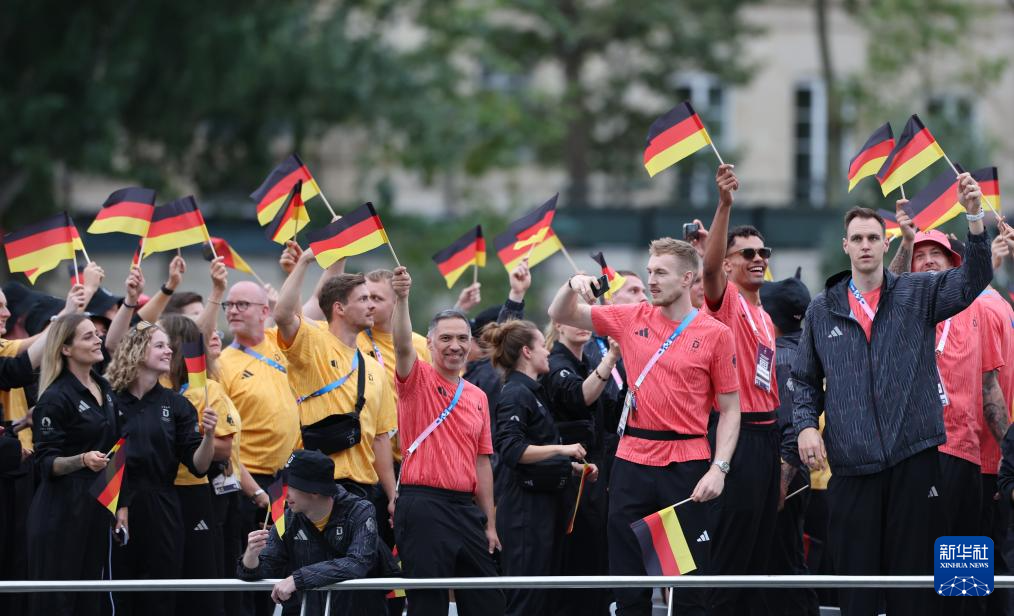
733	272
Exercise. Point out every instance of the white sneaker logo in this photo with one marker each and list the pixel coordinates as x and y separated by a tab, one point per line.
301	536
933	492
704	537
201	526
834	332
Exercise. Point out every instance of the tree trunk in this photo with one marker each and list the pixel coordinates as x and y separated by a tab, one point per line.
833	178
577	142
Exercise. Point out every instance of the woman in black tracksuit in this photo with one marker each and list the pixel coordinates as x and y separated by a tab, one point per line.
162	433
75	423
534	466
582	410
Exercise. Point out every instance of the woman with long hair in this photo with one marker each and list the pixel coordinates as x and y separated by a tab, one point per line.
162	432
75	421
535	467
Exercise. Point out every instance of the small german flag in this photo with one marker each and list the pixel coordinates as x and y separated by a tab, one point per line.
989	184
106	488
75	278
358	232
531	235
939	201
466	251
290	218
276	187
914	151
197	367
276	495
615	280
663	545
41	246
397	592
871	157
128	210
891	226
673	137
136	260
175	225
230	258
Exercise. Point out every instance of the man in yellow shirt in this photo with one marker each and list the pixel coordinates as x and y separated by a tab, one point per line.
346	406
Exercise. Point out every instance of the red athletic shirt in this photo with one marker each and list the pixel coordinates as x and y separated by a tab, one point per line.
872	299
446	459
1000	325
678	392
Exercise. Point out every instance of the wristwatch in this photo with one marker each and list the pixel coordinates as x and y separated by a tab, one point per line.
722	466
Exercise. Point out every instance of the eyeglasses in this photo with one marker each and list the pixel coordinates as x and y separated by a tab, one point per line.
240	306
750	253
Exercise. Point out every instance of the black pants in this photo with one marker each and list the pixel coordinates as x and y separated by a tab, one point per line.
230	527
16	490
788	555
375	494
746	513
68	539
441	533
886	524
993	523
585	550
201	549
818	554
255	603
636	490
154	552
960	490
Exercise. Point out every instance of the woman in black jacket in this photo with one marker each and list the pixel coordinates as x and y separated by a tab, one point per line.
75	423
162	433
535	466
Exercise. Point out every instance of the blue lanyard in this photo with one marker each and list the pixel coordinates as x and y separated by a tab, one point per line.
252	353
184	388
602	345
862	300
440	419
333	385
687	320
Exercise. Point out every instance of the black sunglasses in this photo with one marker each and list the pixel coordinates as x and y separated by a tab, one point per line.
750	253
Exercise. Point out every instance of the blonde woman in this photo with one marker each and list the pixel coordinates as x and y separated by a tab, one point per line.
162	433
75	425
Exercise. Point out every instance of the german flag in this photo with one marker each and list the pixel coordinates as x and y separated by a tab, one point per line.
989	183
663	546
534	229
276	495
891	226
136	260
615	280
290	218
75	278
939	202
275	189
230	258
197	367
175	225
361	231
40	247
397	592
673	137
127	210
915	150
106	488
871	157
466	251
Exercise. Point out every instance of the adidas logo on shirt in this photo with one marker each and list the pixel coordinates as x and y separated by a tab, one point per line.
82	407
247	374
301	536
933	492
704	537
202	525
834	332
642	332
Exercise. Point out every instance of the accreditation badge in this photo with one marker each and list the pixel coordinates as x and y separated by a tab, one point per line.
762	375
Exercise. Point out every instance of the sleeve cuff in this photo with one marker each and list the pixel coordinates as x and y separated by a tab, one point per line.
297	578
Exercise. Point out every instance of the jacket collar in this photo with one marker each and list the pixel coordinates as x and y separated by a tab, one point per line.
523	379
837	289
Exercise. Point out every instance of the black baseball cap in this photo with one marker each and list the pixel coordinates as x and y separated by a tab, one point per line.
786	301
311	471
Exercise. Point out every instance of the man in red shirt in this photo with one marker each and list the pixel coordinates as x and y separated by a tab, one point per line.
445	471
969	359
733	275
663	456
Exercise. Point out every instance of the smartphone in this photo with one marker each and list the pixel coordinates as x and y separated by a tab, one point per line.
691	231
598	290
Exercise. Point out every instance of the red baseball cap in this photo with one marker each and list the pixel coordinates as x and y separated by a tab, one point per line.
937	238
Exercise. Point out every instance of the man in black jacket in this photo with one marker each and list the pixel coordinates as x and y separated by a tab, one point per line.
869	340
328	536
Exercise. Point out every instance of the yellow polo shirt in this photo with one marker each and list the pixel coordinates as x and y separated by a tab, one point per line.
316	358
14	401
266	405
226	426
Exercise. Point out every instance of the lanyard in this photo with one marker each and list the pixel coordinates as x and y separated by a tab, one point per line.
376	350
252	353
184	388
603	350
943	337
439	420
665	347
862	300
749	317
333	385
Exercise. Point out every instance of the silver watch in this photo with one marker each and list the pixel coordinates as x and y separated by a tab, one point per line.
722	466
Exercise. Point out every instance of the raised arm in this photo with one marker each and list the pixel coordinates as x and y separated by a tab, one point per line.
207	321
311	307
121	321
567	309
401	321
902	261
75	303
153	309
287	309
714	252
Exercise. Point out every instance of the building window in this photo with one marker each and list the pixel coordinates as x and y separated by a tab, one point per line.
695	176
810	163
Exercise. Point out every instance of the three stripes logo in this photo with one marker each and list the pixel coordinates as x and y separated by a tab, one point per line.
247	374
301	536
202	525
834	332
704	537
642	332
932	492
